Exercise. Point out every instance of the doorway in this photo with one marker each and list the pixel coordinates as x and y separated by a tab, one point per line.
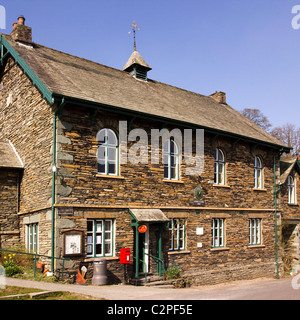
144	251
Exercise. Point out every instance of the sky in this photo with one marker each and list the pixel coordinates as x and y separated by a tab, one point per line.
248	49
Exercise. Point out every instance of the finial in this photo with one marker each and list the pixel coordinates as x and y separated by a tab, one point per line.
134	29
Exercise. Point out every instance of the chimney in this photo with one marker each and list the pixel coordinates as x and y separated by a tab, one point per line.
219	96
21	32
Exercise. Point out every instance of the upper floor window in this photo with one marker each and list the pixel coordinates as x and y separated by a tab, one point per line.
108	153
291	190
219	177
258	173
171	160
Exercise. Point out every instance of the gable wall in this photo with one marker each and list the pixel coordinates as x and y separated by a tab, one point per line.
27	122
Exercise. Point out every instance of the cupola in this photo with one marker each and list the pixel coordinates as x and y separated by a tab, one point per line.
136	65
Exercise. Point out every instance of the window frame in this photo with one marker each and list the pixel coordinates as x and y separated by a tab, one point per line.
255	231
218	233
107	147
291	190
219	167
93	241
32	237
169	167
177	234
258	173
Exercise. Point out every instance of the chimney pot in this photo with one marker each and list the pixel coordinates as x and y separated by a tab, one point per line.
21	20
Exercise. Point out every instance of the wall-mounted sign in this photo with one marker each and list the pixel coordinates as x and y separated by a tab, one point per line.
198	203
65	211
72	243
142	228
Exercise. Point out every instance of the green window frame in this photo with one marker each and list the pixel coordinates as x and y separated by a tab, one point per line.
100	238
255	231
177	234
32	237
218	232
108	152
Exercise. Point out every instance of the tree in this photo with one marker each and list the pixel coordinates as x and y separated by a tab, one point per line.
289	135
256	116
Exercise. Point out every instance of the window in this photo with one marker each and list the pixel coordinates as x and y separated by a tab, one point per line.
258	173
171	160
177	234
108	153
218	236
219	167
100	238
254	231
291	190
32	237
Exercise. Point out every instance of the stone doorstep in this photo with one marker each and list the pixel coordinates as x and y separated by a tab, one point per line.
31	295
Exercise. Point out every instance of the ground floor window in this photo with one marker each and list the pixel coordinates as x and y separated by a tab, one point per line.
100	237
177	234
254	231
218	236
32	237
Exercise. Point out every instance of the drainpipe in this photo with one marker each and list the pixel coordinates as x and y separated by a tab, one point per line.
275	205
54	169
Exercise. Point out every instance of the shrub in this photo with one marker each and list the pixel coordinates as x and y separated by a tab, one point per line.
173	272
10	265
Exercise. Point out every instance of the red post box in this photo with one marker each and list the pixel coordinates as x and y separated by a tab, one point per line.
125	255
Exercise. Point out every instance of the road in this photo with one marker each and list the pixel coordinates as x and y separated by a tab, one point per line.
258	289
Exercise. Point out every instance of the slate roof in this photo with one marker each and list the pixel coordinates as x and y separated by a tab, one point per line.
8	156
286	167
70	76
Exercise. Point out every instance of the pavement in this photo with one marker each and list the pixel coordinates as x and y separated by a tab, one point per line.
258	289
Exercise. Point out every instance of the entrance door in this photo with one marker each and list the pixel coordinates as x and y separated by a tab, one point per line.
144	251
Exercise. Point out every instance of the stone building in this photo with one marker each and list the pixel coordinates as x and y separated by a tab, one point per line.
90	170
289	195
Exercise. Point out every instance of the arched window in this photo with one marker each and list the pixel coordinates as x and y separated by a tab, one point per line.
219	177
258	173
291	190
108	153
171	160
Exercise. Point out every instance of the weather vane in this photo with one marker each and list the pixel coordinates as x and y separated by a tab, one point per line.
134	29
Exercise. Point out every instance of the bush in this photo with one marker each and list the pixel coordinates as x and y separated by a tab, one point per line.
173	272
10	265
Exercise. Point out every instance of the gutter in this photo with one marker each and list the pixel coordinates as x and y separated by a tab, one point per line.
54	170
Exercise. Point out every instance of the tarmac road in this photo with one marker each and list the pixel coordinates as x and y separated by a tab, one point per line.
258	289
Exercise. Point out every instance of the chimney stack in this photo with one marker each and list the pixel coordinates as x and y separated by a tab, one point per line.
219	96
21	32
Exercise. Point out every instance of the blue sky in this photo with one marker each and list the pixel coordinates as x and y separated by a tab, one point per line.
247	48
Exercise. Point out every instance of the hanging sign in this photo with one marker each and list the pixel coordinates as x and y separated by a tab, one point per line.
142	229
